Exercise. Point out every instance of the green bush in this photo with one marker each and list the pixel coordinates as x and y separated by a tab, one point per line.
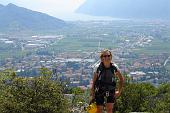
32	95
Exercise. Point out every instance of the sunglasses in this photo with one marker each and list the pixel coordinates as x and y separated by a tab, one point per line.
106	56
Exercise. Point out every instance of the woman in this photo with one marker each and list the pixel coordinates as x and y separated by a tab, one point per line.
103	87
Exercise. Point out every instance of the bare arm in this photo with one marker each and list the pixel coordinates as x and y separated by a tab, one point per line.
92	88
121	81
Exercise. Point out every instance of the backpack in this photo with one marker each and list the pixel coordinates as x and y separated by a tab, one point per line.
104	83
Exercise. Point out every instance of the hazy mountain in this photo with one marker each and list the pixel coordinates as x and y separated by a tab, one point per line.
1	6
127	8
16	18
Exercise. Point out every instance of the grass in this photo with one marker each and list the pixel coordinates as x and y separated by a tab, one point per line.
12	54
83	44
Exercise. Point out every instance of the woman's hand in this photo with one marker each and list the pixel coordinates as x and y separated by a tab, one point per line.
92	93
117	93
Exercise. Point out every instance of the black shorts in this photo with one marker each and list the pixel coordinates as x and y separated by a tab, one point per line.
101	97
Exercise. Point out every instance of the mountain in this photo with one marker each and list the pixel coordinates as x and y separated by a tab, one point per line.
149	9
1	6
16	18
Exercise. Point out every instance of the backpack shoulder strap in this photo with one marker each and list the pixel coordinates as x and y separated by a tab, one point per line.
100	68
113	68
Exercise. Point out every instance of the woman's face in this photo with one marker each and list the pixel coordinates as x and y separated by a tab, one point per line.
106	58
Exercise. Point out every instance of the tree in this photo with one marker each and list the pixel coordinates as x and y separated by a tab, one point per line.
33	95
136	98
77	95
163	99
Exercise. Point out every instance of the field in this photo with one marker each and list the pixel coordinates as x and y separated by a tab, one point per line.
80	44
87	36
157	47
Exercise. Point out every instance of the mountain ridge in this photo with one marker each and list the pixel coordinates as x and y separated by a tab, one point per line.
19	18
127	8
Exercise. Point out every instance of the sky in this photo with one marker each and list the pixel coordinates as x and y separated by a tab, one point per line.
63	9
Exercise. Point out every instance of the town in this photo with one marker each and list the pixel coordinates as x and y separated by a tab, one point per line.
72	56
